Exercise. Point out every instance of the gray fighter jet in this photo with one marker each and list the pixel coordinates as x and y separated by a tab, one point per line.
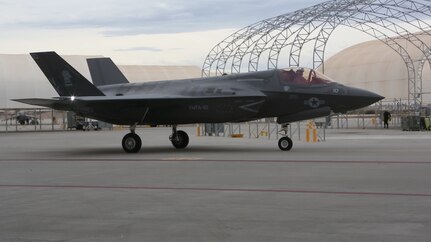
290	95
23	118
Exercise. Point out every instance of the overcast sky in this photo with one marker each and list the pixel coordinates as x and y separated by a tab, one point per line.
131	31
132	17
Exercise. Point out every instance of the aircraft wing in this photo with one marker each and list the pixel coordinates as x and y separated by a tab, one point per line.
66	103
132	109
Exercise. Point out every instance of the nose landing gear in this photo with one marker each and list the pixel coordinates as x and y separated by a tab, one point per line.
285	143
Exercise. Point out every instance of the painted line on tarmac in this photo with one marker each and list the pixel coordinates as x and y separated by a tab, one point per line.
199	159
379	137
181	159
203	189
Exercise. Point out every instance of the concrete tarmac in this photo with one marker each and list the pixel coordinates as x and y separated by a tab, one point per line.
359	185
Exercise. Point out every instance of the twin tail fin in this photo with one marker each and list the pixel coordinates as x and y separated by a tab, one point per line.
65	79
104	72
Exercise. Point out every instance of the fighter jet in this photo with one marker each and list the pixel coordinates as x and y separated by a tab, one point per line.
290	95
23	118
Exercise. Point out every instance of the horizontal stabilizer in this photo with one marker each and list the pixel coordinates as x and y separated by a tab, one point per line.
59	104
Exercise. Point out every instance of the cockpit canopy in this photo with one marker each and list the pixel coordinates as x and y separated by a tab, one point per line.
303	76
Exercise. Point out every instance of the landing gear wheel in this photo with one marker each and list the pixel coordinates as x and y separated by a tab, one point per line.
179	139
131	143
285	143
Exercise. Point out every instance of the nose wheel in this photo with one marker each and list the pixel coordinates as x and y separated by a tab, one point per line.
285	143
179	138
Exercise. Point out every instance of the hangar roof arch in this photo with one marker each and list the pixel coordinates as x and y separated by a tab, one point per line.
385	20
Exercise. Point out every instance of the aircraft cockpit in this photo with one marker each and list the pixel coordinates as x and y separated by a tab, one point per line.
303	76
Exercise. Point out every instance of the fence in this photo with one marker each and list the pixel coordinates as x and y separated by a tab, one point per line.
268	129
41	119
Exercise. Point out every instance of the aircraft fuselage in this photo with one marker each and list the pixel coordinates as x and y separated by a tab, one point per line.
229	98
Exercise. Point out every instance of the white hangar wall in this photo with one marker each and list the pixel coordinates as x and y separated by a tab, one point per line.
141	73
374	66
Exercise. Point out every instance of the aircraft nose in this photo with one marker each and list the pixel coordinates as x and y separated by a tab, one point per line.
363	98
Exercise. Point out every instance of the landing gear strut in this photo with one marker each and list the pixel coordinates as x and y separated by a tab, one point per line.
131	142
285	143
179	138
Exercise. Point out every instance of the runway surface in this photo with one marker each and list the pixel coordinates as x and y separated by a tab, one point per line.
359	185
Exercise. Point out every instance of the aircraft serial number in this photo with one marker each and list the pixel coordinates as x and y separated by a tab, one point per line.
199	107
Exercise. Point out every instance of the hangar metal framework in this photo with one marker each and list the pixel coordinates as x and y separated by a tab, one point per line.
393	22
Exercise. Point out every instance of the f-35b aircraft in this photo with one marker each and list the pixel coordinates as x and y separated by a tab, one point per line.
290	95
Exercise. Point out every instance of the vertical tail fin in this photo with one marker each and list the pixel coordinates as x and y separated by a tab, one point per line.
64	78
104	72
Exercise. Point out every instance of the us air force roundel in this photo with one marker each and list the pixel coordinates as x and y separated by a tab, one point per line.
314	102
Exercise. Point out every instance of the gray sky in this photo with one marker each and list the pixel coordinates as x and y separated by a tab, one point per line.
131	31
131	17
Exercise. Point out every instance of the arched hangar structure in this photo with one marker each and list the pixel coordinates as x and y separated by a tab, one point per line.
259	45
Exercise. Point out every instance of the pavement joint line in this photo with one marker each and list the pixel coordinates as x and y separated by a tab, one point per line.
209	160
204	189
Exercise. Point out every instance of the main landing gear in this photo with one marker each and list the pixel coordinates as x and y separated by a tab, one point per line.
285	143
132	142
179	138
